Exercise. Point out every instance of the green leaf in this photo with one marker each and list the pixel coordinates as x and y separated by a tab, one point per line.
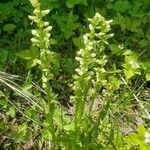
133	138
3	55
147	76
67	23
50	4
136	10
119	19
122	5
131	60
131	24
71	3
11	112
129	73
128	52
78	42
25	54
138	138
115	49
27	86
69	65
141	132
30	112
33	62
148	35
9	27
47	134
144	43
20	134
34	52
3	127
3	102
6	10
146	66
69	127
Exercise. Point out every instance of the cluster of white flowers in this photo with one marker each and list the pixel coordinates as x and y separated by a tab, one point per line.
89	55
41	39
92	58
42	34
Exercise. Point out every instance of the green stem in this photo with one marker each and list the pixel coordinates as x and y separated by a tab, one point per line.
50	97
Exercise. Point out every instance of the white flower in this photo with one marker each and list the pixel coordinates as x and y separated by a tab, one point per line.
91	27
108	26
49	28
111	35
48	35
45	12
46	23
85	38
36	11
77	70
89	47
103	70
34	40
79	52
93	55
147	137
98	15
78	58
109	21
34	32
121	46
32	17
